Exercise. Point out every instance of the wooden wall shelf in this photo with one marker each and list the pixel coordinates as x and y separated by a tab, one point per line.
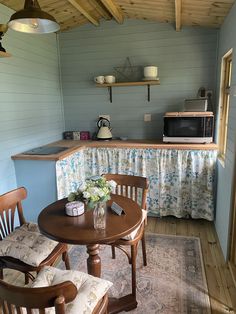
120	84
4	54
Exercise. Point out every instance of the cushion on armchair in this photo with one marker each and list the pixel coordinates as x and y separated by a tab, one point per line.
90	289
27	244
132	234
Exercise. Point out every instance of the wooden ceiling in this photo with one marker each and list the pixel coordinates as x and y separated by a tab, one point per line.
73	13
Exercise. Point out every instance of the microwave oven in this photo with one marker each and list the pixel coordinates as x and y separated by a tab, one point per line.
188	127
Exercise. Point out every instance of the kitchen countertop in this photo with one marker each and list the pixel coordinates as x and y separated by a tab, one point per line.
74	146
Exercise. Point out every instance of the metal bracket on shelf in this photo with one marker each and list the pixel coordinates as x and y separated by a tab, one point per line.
148	94
110	92
148	87
109	86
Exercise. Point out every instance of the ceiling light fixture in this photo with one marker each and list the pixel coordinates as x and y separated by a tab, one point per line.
33	20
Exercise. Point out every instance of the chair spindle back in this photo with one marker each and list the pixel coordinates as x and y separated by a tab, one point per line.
10	202
14	298
133	187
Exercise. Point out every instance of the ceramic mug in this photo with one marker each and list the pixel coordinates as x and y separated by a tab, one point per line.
110	79
150	71
99	79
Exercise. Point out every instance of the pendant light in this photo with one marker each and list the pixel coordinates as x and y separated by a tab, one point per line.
33	20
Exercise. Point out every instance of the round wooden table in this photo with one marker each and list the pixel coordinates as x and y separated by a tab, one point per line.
55	224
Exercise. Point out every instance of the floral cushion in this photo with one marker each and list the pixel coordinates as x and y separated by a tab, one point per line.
132	235
90	289
27	244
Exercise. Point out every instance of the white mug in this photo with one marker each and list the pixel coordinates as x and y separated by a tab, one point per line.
99	79
110	79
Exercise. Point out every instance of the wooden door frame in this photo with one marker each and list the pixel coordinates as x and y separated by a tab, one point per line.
226	74
232	238
231	258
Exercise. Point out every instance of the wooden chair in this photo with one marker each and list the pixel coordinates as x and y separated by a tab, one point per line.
14	298
10	203
135	188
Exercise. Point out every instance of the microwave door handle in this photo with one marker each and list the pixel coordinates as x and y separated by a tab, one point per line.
204	127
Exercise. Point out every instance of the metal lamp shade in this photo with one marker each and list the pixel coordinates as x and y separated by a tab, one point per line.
33	20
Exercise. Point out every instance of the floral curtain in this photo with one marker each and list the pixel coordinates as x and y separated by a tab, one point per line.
181	182
69	173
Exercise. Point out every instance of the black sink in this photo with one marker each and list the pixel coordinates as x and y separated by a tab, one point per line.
45	150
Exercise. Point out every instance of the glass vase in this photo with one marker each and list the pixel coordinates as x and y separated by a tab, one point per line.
99	216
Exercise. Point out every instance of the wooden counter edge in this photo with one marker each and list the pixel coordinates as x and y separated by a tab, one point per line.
138	144
74	146
52	157
211	146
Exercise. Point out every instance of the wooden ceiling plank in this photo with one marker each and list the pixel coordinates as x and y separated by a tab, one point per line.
150	10
100	9
178	9
82	10
76	16
210	13
115	10
70	25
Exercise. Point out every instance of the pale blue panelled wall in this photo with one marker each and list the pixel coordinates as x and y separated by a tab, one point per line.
31	111
226	173
186	61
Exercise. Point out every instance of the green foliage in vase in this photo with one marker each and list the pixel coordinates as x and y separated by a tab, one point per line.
93	190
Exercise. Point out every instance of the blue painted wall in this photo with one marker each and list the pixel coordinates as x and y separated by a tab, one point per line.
226	173
186	61
42	189
31	112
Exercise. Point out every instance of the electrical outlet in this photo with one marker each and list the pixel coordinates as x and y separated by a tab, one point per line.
105	116
147	117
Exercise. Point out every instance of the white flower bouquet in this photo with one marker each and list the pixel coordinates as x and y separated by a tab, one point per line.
95	189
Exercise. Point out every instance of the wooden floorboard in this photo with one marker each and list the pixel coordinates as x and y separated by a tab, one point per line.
222	291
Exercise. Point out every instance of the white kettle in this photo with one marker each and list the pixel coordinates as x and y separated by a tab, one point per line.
104	129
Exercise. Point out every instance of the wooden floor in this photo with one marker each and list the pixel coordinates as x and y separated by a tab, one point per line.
221	288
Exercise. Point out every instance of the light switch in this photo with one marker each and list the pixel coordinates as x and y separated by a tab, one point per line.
147	117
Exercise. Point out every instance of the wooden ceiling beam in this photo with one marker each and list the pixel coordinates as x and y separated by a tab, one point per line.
84	12
101	9
114	9
178	9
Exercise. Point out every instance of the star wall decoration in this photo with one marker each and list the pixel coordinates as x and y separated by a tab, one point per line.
128	72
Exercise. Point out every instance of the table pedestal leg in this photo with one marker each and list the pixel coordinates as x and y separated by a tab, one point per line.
93	261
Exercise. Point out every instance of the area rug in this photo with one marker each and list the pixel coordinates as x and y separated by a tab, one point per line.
173	282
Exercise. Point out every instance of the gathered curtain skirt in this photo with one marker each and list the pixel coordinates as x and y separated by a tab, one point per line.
181	182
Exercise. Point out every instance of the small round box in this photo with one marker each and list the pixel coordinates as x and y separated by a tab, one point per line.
75	208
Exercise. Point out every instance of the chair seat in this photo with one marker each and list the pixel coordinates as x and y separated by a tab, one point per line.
90	289
132	235
27	244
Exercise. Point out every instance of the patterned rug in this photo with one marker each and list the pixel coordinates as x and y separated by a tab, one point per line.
173	282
